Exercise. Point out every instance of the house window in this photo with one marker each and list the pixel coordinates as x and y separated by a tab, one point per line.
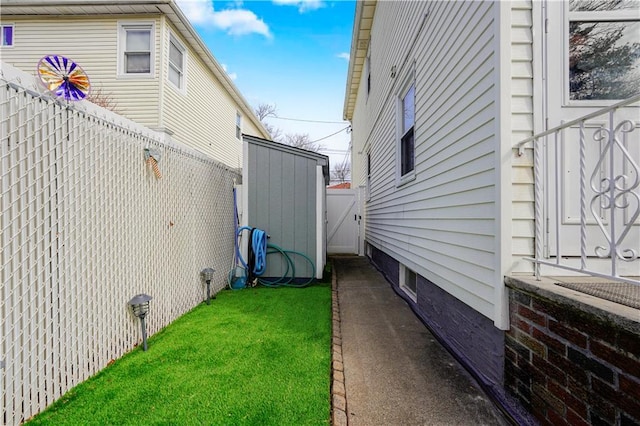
368	65
177	62
604	50
368	188
406	119
238	125
135	45
408	282
6	35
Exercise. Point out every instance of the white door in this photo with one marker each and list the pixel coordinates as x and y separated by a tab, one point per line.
342	221
592	60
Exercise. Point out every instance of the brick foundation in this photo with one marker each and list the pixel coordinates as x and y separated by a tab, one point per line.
568	366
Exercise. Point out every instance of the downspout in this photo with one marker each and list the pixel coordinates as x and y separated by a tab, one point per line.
503	163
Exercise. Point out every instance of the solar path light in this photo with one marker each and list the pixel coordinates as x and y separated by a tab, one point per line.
207	275
140	307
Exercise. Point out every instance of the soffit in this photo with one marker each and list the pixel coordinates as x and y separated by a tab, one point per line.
360	38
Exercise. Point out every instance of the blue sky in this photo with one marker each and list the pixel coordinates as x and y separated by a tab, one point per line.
291	53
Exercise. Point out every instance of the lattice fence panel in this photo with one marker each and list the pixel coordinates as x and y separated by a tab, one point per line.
85	225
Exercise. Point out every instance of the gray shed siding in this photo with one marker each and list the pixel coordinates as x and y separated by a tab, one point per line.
281	189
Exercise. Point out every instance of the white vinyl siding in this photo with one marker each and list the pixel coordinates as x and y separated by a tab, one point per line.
441	225
92	43
522	127
204	117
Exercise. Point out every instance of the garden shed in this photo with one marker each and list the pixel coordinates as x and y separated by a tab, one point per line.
284	194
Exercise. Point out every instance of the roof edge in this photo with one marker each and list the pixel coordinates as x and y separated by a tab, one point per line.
350	94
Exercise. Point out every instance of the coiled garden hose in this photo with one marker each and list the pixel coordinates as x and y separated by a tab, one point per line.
260	249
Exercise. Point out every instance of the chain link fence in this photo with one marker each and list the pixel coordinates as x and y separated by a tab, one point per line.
85	226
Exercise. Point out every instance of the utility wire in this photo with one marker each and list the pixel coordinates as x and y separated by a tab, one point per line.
332	134
308	121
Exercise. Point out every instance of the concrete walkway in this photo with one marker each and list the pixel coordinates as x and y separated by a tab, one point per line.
388	368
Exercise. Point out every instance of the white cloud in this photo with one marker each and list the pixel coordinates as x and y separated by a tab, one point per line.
233	21
344	55
303	5
232	75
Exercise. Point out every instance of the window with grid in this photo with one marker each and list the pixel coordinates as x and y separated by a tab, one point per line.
136	49
177	63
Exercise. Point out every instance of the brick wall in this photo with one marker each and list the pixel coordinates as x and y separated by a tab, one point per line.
569	366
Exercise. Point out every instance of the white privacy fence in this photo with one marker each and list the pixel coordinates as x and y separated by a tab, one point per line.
587	194
85	226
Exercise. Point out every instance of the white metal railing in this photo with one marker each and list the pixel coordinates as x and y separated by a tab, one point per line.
609	194
85	226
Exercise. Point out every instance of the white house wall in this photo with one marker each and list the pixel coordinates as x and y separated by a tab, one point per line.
93	43
522	127
442	225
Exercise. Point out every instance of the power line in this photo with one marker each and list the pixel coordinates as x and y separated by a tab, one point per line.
334	151
307	121
332	134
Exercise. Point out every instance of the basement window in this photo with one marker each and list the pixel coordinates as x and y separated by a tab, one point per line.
409	282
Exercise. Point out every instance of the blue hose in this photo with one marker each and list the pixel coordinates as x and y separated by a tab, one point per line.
261	249
259	245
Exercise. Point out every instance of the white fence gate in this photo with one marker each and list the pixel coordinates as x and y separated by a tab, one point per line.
85	225
343	221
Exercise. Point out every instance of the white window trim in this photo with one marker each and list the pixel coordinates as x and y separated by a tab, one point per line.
410	176
122	26
368	68
402	276
183	87
13	34
368	177
238	127
620	15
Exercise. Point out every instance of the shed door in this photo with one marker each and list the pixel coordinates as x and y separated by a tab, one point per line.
588	66
342	221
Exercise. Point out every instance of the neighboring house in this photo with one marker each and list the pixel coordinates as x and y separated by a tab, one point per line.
343	185
440	95
146	58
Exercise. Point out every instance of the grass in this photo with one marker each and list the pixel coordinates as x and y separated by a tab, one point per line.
253	357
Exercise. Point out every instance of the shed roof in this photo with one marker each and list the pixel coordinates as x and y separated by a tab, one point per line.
321	159
130	7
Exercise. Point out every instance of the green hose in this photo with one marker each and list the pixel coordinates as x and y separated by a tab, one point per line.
286	280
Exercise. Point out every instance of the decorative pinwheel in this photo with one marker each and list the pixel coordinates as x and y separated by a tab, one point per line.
63	77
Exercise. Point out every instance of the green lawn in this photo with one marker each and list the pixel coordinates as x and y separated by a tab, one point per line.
253	357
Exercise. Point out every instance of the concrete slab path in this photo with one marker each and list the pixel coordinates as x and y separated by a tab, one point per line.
394	372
